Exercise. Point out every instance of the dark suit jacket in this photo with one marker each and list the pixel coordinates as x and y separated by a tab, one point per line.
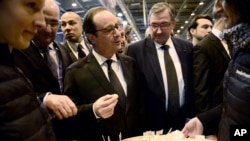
36	69
85	82
210	62
145	55
71	54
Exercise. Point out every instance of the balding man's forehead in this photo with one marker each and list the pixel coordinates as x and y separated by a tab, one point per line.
71	16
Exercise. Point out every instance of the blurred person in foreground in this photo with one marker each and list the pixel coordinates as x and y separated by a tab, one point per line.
21	115
200	26
72	30
44	63
236	85
90	82
210	61
166	106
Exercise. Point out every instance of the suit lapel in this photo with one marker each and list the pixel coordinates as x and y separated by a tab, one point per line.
38	62
180	50
124	65
125	69
98	74
152	58
34	54
64	57
219	46
71	54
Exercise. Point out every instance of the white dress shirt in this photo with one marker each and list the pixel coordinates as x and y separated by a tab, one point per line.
177	64
116	66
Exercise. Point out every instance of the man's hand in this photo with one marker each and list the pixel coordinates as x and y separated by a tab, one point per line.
104	106
193	127
61	105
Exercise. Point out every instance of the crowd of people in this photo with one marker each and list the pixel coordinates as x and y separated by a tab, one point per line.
98	85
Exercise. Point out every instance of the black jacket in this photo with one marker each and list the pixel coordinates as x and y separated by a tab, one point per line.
236	85
157	118
37	70
85	82
21	114
236	94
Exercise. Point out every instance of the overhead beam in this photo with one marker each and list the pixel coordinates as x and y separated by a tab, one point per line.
129	17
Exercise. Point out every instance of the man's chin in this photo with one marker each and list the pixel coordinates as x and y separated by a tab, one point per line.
71	39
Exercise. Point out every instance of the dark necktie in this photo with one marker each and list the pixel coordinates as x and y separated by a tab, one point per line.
81	54
53	65
44	51
173	89
116	83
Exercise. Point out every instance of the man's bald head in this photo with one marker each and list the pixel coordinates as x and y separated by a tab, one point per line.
52	7
72	26
47	34
72	15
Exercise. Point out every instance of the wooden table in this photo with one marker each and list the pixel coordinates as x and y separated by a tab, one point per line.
173	136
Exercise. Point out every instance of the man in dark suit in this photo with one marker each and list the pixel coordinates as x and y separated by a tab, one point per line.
44	63
150	60
210	61
72	30
89	81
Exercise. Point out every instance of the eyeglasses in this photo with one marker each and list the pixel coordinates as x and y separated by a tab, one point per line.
111	29
53	23
164	25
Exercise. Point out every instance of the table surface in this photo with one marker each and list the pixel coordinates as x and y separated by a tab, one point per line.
163	138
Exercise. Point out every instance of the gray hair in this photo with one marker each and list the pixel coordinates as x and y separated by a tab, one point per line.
161	6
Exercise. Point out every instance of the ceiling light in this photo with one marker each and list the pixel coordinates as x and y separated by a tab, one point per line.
119	14
186	22
192	14
125	22
136	4
201	3
74	4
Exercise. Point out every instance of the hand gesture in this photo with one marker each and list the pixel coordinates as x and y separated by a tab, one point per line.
61	105
105	105
193	127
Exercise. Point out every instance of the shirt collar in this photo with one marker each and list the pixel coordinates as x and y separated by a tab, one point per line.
73	45
42	48
169	43
101	60
217	33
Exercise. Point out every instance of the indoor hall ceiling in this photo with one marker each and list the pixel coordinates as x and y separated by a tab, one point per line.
134	11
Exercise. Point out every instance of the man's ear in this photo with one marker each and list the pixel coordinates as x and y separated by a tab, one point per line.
192	31
91	38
